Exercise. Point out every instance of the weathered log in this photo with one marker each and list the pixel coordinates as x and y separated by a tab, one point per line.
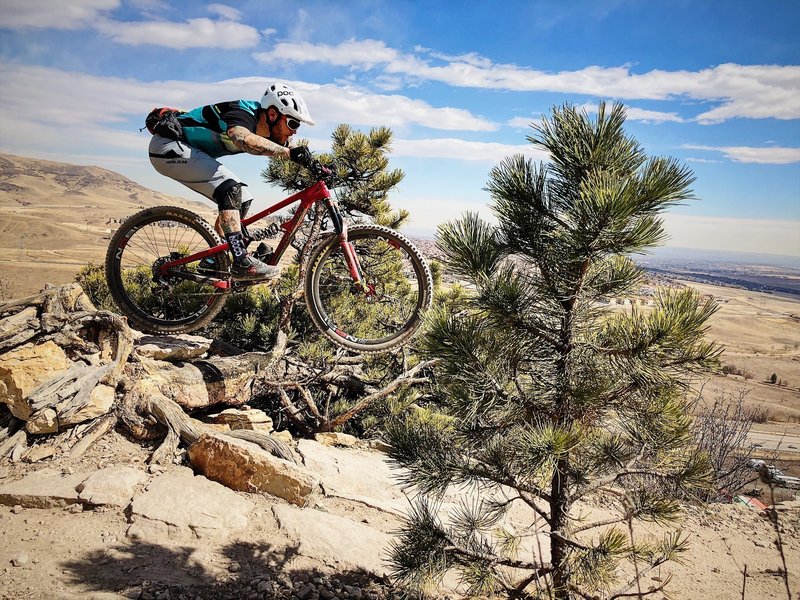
18	328
269	443
217	381
96	430
77	395
182	427
54	299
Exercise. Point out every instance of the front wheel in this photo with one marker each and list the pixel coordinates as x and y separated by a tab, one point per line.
383	310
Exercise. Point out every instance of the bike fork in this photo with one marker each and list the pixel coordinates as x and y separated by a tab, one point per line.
350	257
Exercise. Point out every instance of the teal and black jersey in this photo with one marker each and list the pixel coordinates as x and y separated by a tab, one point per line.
205	127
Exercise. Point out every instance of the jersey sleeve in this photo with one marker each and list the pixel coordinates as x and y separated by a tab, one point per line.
239	116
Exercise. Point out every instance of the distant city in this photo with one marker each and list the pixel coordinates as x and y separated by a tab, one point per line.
768	273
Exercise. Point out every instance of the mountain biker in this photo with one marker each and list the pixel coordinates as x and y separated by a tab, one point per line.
188	154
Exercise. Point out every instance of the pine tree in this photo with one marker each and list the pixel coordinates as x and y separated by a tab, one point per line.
550	395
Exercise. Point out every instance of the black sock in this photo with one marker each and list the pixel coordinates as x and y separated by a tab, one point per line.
236	243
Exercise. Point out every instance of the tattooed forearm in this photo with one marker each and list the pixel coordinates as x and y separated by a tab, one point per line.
249	142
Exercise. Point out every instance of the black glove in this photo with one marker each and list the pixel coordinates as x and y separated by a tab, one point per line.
301	155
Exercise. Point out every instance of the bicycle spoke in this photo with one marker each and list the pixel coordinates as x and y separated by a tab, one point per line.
146	292
386	305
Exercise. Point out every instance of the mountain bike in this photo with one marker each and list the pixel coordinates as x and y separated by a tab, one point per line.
366	286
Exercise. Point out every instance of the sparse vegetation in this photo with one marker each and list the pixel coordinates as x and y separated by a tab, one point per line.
721	430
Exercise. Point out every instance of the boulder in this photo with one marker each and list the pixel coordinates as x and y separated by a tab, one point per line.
181	504
43	421
37	453
24	369
353	474
101	399
238	418
243	466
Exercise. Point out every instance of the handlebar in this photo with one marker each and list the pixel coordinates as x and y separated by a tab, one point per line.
329	175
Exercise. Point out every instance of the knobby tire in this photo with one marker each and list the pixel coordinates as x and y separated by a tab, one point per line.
164	304
386	317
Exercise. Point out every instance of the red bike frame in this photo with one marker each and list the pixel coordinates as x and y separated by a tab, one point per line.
318	192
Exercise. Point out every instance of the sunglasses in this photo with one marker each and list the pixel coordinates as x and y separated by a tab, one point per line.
292	123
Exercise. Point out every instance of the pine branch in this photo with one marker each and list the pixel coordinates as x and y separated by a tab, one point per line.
639	594
570	542
539	568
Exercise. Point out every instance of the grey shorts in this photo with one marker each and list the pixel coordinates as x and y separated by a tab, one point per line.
192	167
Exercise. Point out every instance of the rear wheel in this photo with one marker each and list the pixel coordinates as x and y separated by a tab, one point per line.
165	302
383	313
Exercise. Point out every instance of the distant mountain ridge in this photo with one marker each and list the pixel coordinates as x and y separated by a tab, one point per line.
22	179
57	217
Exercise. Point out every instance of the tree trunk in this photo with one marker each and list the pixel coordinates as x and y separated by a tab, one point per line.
559	511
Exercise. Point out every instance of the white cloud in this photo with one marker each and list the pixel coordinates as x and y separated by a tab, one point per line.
223	10
194	33
750	91
521	122
364	54
332	104
42	14
639	114
351	105
449	148
703	160
771	155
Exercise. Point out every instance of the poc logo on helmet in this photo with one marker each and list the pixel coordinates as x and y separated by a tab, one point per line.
285	93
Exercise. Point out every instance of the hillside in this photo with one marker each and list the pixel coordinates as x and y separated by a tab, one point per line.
56	217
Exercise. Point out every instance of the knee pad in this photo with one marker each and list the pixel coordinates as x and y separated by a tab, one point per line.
245	208
229	195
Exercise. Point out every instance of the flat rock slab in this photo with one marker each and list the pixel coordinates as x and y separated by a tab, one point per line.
113	486
42	489
181	504
355	475
336	541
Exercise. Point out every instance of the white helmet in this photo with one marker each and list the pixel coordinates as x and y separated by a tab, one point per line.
287	101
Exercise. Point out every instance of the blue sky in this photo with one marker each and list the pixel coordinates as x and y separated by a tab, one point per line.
714	84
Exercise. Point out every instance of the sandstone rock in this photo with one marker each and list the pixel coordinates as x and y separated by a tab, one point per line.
334	540
38	453
43	421
20	559
251	418
113	485
379	445
24	369
17	451
172	348
42	489
186	505
335	439
243	466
